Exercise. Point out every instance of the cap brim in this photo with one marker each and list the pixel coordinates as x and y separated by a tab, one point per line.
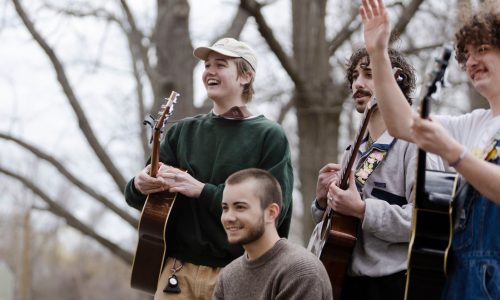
202	52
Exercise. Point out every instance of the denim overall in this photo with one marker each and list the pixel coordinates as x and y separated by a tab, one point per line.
474	265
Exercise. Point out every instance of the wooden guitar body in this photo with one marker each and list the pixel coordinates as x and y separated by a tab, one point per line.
333	242
151	247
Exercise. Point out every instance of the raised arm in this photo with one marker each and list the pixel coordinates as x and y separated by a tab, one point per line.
396	111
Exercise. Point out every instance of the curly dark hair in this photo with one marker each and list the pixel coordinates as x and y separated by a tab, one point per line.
479	28
407	76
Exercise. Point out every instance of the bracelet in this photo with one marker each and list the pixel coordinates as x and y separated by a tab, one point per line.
459	159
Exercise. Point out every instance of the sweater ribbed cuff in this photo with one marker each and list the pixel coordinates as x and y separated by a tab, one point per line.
316	203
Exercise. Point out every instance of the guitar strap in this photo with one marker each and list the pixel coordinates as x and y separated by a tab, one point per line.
368	163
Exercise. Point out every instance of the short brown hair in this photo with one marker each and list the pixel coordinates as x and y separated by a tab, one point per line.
408	81
269	189
478	28
243	67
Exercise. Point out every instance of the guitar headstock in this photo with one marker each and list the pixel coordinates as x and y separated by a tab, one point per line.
166	110
164	113
437	77
439	69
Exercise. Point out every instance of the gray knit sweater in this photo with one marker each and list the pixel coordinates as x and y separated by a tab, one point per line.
286	271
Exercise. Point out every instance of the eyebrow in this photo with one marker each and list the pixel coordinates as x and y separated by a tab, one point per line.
235	203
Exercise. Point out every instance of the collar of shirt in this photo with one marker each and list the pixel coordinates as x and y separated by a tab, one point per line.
236	113
384	142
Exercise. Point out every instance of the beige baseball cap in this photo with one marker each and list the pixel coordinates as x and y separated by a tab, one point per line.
229	47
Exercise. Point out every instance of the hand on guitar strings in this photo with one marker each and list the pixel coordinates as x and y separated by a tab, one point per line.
146	184
327	175
347	202
178	181
432	137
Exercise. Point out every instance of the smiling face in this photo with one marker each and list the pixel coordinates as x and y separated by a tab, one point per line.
359	76
221	79
243	218
482	64
362	85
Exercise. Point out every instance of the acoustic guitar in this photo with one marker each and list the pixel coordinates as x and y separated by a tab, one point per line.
432	220
334	238
150	253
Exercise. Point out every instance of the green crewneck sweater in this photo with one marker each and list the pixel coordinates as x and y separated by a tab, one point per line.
210	149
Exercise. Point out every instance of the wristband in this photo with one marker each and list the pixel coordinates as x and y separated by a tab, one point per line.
459	159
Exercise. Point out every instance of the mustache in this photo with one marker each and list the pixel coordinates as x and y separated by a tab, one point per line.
361	93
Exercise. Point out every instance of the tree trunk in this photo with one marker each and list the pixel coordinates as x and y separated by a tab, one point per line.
318	131
175	56
317	111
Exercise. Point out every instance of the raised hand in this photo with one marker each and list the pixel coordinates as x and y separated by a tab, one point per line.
376	25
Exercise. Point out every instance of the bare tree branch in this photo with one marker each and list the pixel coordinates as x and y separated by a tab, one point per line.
96	12
140	100
416	50
406	16
345	33
254	9
285	109
60	211
237	25
82	186
135	37
73	100
348	29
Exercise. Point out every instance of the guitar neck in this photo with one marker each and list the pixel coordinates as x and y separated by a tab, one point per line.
425	108
163	115
347	167
422	155
155	155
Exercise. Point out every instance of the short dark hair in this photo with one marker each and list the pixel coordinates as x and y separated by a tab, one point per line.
269	189
408	81
478	28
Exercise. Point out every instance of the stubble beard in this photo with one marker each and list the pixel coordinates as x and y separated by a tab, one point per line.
254	233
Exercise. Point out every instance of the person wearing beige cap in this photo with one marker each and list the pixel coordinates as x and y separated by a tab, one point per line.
197	155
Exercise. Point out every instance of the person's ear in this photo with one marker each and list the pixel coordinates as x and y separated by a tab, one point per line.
246	78
273	212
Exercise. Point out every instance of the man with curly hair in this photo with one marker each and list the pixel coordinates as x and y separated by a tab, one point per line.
379	194
470	143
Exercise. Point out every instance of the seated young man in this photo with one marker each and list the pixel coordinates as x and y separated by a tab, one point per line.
271	267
